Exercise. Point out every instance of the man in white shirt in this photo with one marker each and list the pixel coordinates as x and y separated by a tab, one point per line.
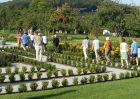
85	47
96	48
45	41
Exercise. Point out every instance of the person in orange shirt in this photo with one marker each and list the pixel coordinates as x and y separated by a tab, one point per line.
107	48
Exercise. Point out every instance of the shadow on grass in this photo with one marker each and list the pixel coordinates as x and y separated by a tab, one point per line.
52	95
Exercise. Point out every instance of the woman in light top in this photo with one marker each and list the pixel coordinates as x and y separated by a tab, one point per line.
124	52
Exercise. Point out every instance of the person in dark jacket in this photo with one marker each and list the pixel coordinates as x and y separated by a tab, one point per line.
56	43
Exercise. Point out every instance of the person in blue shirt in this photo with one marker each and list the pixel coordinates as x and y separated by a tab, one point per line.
25	40
134	51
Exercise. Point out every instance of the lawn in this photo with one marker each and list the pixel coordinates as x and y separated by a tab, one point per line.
124	89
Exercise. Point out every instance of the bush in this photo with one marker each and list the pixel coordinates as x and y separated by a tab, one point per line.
0	70
30	76
98	69
44	85
127	75
103	69
9	88
106	77
85	70
91	79
133	74
33	86
22	76
39	74
64	82
24	69
113	77
8	70
138	73
92	70
22	88
55	72
84	81
49	73
75	81
38	68
79	71
70	72
63	72
16	70
32	69
99	78
2	78
122	76
55	83
12	77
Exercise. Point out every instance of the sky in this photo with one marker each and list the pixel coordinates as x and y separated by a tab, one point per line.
133	2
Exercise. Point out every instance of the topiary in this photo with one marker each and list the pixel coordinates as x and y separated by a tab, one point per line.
92	79
63	72
24	69
32	69
8	70
55	72
99	78
70	72
12	77
83	80
2	78
22	76
33	86
113	77
55	83
122	76
22	88
75	81
64	82
85	70
106	77
92	70
44	85
30	76
16	70
49	73
79	71
39	74
9	88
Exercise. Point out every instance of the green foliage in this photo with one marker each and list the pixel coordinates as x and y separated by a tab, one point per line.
32	69
121	76
22	88
92	79
24	69
92	70
64	82
113	76
85	70
63	72
55	72
33	86
106	77
99	78
44	85
70	72
55	83
9	88
84	81
22	76
16	70
30	75
49	73
79	71
8	70
39	74
12	77
2	78
75	81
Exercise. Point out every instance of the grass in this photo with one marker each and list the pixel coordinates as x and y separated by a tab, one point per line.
124	89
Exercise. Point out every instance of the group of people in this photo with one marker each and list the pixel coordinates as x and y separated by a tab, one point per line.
36	41
124	52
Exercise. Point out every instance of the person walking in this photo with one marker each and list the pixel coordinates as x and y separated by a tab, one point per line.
38	41
124	52
134	51
108	48
85	45
56	43
45	41
25	40
19	40
96	48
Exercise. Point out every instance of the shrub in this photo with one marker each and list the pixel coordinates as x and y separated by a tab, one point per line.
39	74
0	90
22	76
103	69
0	70
55	83
33	86
55	72
92	70
2	78
22	88
38	68
85	70
63	72
75	81
30	76
127	75
106	77
138	73
12	77
49	73
135	68
24	69
32	69
64	82
16	70
83	80
70	72
44	85
98	69
9	88
122	76
113	77
99	78
79	71
133	74
8	70
91	79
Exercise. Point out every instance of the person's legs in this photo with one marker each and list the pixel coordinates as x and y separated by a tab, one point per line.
40	53
122	62
37	52
137	61
127	62
96	55
85	53
107	55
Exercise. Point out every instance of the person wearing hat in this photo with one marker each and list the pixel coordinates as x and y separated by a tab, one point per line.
56	43
107	48
85	44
